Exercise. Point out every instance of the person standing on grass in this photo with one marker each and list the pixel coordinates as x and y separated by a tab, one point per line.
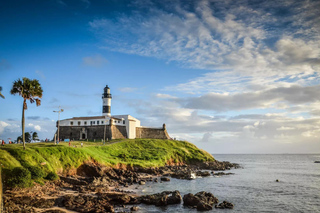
69	143
81	144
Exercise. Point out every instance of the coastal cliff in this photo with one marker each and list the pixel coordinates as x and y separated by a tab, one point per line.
62	159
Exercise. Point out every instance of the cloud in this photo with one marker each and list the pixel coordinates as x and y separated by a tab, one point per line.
259	90
252	100
33	117
3	125
37	127
94	61
12	128
243	37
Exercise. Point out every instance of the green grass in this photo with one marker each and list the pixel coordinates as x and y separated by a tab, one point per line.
138	152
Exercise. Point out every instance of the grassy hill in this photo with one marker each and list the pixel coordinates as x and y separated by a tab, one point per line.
138	152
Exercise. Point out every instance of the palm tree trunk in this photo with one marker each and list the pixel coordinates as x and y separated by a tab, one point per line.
22	125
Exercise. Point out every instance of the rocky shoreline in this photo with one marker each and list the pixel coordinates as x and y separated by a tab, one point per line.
95	188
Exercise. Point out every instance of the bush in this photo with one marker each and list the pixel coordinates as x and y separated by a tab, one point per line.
36	172
52	176
19	177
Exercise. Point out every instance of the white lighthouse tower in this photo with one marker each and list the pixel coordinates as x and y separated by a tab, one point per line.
106	106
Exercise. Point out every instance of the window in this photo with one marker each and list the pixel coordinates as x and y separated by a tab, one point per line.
118	121
124	122
93	122
101	122
71	123
85	123
79	123
98	122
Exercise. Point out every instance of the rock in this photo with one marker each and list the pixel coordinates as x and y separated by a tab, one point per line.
175	198
73	181
222	173
141	182
165	179
190	200
162	199
156	180
203	201
90	170
317	161
134	208
277	180
203	173
224	205
203	206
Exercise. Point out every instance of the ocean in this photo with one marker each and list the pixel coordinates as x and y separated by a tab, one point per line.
253	188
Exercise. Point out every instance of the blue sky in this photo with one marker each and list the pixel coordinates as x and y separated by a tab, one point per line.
229	76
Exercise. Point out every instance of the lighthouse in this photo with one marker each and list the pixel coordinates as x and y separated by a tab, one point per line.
106	106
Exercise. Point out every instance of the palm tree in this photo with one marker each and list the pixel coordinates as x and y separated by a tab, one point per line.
29	90
34	135
0	93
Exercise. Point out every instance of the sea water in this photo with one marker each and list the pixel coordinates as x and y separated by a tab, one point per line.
253	188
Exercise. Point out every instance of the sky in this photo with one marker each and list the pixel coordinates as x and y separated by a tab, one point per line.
228	76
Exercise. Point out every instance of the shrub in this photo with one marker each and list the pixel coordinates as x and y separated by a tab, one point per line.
36	172
19	177
52	176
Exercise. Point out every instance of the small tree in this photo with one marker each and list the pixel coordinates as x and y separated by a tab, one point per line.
29	90
27	136
34	135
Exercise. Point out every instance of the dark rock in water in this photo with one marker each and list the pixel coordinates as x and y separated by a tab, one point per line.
277	180
203	173
221	173
134	208
165	179
162	199
203	201
156	180
224	205
317	161
217	165
190	200
203	206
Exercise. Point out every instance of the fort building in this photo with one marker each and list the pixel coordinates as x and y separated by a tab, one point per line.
107	126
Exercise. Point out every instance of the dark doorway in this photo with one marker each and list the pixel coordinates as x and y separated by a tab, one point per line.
83	136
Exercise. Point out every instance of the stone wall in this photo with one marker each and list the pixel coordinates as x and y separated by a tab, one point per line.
119	132
112	132
92	132
154	133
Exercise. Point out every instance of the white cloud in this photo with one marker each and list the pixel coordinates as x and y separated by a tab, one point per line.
37	127
3	125
221	37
